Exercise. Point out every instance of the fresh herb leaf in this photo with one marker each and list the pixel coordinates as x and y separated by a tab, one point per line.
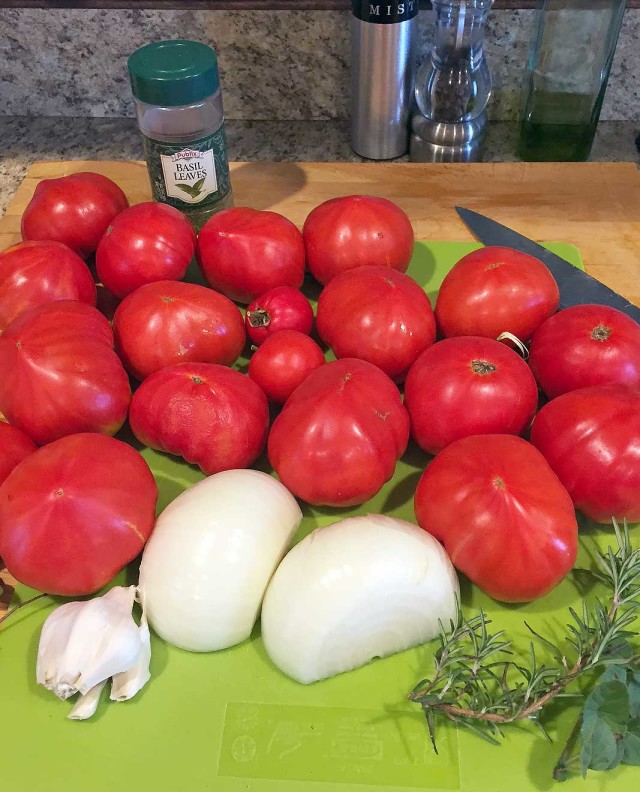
599	746
634	694
631	743
613	672
609	703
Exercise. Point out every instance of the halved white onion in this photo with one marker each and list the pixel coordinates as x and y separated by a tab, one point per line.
361	588
207	564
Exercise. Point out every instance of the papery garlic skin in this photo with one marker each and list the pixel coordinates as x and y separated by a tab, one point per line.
87	705
126	684
83	644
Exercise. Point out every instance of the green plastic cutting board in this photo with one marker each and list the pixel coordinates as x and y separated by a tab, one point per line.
230	721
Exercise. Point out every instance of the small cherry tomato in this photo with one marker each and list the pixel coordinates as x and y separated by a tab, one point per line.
283	362
282	308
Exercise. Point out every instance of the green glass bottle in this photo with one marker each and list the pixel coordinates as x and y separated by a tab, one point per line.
567	72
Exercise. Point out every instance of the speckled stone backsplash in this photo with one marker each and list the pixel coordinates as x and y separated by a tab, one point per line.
275	65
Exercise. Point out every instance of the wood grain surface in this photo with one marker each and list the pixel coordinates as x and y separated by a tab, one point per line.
595	206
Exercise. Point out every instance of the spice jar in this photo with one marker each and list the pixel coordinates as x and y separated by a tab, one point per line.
178	100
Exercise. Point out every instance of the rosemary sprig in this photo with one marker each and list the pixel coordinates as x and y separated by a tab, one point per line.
478	685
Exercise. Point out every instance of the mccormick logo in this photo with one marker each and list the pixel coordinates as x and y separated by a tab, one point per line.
186	154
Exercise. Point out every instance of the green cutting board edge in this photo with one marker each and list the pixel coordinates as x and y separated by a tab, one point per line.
230	721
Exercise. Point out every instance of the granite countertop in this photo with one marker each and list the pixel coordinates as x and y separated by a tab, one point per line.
27	139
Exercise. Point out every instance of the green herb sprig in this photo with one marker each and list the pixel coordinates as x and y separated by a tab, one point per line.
478	685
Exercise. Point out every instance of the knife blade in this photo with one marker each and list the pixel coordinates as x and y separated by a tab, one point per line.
576	286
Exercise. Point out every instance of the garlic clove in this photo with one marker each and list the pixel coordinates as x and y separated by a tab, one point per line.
87	704
53	638
115	648
126	684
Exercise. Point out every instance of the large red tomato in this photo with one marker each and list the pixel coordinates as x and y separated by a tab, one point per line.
591	439
14	447
74	513
60	374
465	386
170	322
282	308
210	415
245	252
495	290
585	345
356	231
75	210
378	315
34	273
503	516
146	243
340	434
283	362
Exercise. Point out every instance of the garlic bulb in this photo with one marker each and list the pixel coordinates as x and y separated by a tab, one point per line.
83	644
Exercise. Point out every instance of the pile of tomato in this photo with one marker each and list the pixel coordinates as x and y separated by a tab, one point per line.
76	505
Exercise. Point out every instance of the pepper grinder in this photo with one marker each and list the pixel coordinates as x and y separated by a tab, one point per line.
453	86
383	44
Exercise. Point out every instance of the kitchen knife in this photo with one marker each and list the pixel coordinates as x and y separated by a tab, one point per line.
576	287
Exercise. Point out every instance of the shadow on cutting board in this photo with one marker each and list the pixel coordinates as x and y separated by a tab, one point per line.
267	188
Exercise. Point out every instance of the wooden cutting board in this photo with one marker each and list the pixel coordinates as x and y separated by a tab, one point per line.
595	206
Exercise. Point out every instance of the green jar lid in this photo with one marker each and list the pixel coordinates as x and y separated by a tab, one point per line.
171	73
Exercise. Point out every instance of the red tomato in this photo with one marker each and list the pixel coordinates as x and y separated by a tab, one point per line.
340	434
466	386
146	243
244	253
282	308
379	315
591	439
583	346
60	374
170	322
503	516
34	273
283	362
74	513
356	231
14	447
75	210
495	290
210	415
